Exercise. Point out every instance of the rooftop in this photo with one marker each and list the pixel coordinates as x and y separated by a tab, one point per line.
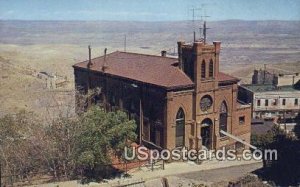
262	127
223	77
150	69
270	88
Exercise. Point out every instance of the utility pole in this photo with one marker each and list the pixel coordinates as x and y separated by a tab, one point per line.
265	69
125	43
141	116
0	174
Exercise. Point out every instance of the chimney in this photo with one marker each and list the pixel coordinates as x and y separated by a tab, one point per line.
194	36
105	51
104	67
90	58
164	53
217	45
180	44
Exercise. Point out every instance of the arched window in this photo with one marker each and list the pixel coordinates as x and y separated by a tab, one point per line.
203	69
211	68
223	117
180	129
206	132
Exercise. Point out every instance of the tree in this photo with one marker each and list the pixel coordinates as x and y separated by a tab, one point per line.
18	150
297	126
264	140
63	145
286	169
103	135
59	143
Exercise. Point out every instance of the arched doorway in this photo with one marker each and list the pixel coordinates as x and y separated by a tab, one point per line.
206	132
180	129
223	117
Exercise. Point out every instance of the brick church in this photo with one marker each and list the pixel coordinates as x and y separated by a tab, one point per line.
184	101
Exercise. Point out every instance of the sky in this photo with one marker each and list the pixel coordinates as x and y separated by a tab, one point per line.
149	10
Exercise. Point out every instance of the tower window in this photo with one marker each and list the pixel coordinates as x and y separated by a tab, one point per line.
203	69
211	68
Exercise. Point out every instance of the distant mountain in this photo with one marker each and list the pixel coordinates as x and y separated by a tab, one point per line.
28	32
242	41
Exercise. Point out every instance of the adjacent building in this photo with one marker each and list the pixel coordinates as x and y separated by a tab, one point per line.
176	102
273	96
264	77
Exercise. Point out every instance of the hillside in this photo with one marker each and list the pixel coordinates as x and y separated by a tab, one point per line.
54	46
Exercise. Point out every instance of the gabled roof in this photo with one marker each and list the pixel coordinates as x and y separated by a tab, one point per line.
154	70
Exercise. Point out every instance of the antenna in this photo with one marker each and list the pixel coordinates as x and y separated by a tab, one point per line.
203	30
194	16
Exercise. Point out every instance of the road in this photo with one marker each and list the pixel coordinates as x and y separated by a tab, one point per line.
222	174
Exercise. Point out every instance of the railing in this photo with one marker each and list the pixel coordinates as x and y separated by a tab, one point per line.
155	164
237	139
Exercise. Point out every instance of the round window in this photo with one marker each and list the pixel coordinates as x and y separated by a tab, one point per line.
206	103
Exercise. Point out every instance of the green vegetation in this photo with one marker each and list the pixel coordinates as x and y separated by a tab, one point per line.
285	171
102	135
65	147
264	140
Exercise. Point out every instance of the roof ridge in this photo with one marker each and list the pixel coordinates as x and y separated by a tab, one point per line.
136	53
98	57
228	75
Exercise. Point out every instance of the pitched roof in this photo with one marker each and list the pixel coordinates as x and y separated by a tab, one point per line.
225	77
151	69
155	70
